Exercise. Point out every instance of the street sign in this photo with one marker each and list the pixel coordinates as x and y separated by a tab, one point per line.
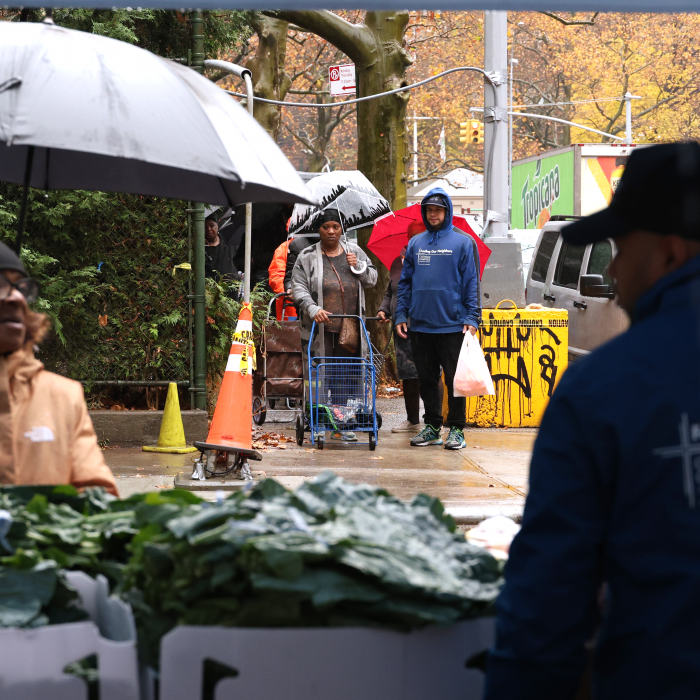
342	80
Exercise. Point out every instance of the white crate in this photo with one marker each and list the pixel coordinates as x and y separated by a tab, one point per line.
327	664
32	661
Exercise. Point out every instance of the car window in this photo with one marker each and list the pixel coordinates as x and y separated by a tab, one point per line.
544	255
601	257
569	265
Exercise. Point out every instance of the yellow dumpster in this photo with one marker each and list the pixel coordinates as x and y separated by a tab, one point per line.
527	351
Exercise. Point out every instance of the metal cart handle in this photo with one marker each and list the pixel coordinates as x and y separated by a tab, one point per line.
286	305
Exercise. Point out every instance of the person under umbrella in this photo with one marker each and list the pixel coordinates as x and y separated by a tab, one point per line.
404	356
439	294
324	284
46	435
218	255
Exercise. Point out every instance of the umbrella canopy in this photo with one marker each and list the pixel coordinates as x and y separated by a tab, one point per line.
81	111
348	191
390	235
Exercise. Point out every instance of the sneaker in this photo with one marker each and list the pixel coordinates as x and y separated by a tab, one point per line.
345	436
427	436
455	440
406	427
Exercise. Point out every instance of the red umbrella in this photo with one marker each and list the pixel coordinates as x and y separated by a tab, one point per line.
389	235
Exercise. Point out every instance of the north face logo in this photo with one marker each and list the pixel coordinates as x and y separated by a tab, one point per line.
40	434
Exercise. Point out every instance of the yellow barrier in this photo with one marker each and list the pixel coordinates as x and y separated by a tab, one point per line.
527	351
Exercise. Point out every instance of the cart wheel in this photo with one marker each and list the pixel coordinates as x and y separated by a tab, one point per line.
373	440
321	441
379	421
300	431
259	411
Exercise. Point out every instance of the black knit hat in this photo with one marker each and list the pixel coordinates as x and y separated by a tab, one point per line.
10	261
329	215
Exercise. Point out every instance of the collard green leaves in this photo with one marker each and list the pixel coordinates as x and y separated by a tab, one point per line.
331	553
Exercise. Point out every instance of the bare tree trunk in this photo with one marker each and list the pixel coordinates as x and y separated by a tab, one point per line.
317	159
376	47
270	81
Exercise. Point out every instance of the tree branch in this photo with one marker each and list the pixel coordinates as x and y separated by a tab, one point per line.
352	39
573	22
305	142
437	172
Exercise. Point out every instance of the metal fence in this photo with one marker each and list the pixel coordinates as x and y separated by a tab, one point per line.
119	302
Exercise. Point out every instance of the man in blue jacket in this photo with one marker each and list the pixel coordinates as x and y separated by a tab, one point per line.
439	294
610	545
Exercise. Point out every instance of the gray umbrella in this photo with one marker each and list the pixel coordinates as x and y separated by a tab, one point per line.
81	111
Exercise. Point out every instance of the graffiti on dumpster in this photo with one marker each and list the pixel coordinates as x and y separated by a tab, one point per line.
525	357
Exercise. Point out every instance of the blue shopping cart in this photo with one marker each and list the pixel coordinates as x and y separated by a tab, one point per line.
342	394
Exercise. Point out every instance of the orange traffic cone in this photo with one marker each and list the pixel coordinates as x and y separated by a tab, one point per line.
233	415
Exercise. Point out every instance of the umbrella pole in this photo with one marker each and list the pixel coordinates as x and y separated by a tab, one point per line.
23	203
248	207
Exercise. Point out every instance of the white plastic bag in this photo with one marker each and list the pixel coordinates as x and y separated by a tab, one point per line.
472	377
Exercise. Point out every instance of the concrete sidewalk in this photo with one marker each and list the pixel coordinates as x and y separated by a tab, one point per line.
487	478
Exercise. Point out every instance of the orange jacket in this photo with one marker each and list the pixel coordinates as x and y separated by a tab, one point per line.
276	271
46	435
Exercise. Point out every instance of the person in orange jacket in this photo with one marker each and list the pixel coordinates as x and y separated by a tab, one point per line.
276	272
46	435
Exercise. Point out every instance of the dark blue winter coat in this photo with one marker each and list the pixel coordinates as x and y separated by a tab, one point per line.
614	499
439	286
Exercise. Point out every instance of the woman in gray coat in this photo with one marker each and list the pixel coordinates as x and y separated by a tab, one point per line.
323	284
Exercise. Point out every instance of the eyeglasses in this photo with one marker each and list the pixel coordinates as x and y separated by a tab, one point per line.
27	287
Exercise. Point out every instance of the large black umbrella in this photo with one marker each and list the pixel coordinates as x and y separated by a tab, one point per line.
80	111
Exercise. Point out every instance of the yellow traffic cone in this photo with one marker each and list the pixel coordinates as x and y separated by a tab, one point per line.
172	433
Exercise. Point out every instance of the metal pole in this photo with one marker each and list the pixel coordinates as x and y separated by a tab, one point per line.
628	117
513	62
559	121
496	122
200	351
250	98
248	207
415	148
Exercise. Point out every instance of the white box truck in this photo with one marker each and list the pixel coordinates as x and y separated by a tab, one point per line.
575	180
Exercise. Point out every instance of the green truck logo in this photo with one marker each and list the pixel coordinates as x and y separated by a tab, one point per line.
544	192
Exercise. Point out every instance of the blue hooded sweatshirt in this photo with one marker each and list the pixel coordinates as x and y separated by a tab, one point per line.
439	286
614	498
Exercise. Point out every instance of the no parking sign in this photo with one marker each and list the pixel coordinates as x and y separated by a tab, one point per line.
342	80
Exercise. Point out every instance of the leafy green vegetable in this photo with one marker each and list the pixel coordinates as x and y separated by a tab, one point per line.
328	554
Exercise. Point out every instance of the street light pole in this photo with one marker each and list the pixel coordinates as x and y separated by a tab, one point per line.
415	140
200	354
415	147
496	123
513	62
628	115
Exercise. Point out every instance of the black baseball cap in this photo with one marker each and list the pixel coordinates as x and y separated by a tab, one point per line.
436	200
659	192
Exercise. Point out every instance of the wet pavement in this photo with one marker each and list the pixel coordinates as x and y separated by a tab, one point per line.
488	476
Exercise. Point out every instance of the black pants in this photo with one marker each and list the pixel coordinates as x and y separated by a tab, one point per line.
431	351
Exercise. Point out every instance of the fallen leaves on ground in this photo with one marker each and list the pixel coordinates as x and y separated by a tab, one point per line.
267	440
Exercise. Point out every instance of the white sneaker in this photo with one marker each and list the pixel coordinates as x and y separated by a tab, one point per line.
406	427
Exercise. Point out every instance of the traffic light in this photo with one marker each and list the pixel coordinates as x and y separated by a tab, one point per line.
471	132
463	132
476	132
